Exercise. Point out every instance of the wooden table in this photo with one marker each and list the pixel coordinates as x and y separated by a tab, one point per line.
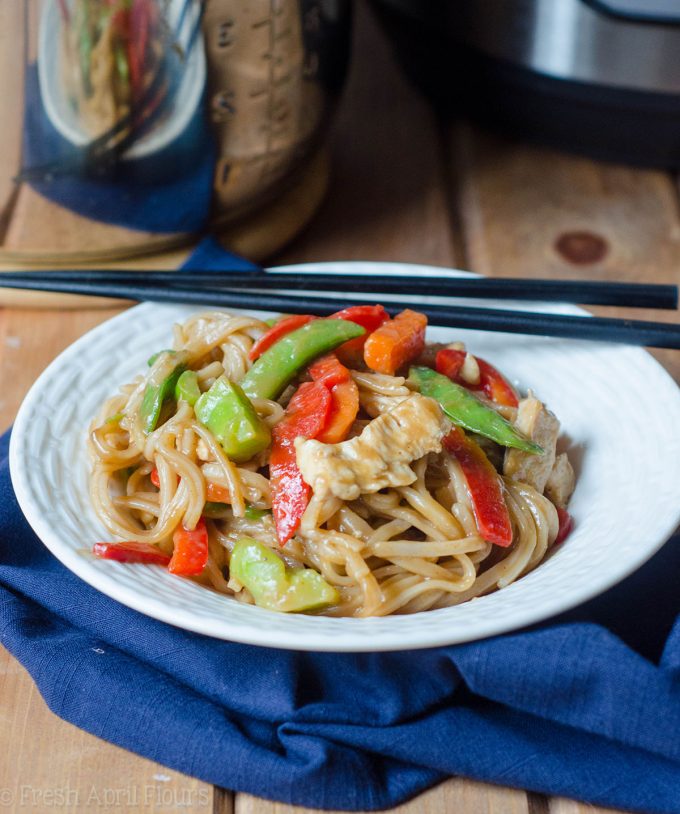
405	188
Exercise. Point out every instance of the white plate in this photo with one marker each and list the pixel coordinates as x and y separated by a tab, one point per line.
65	118
618	407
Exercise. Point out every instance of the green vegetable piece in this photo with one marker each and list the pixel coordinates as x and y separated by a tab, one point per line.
187	388
160	388
152	359
467	411
275	587
252	513
274	370
230	416
215	510
272	321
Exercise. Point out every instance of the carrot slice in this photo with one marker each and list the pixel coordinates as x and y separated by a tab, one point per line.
327	370
369	317
343	412
395	343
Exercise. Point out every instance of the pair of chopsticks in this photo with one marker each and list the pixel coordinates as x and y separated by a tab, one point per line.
289	293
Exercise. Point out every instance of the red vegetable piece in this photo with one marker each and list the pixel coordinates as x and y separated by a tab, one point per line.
566	525
449	363
131	552
280	329
369	317
491	381
191	550
343	412
328	370
484	486
216	493
305	416
153	477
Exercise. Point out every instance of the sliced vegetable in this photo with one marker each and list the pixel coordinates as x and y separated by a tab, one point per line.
275	587
278	330
153	477
495	386
187	388
131	552
252	513
216	493
396	342
213	510
230	416
305	416
484	486
369	317
190	555
466	410
342	414
329	371
156	394
274	370
566	525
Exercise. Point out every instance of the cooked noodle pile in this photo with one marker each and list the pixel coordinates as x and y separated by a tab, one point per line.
397	550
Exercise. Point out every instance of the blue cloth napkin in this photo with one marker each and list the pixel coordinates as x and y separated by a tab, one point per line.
572	708
168	192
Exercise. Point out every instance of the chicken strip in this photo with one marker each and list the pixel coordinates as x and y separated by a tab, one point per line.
538	424
380	456
561	482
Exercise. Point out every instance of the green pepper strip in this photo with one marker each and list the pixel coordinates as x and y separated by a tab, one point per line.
275	369
187	388
154	397
230	416
467	411
275	587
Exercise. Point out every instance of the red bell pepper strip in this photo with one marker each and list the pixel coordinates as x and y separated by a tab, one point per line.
131	552
305	416
484	486
281	328
369	317
494	385
396	342
566	525
153	477
191	550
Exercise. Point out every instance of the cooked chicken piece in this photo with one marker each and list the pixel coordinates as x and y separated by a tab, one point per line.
380	456
538	424
561	483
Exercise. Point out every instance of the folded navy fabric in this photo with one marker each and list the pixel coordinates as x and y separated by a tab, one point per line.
587	706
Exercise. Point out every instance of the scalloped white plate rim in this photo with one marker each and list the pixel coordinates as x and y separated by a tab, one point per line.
334	634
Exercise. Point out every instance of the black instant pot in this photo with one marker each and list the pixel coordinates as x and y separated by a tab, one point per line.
600	77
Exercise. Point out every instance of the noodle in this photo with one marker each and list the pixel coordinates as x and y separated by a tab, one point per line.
402	549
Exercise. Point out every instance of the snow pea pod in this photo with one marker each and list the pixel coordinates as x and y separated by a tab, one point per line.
276	368
467	411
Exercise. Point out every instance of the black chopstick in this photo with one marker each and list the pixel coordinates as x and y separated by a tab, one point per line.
631	295
632	332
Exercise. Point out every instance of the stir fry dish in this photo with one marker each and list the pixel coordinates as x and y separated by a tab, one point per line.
337	465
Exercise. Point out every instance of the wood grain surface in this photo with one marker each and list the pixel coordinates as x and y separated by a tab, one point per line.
404	188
